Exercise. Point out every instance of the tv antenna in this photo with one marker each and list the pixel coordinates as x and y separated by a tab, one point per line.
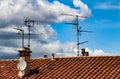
78	30
29	23
21	30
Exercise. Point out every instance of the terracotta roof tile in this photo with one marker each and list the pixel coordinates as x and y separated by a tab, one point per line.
66	68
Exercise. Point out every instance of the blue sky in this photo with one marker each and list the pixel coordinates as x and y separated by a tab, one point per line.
104	22
53	35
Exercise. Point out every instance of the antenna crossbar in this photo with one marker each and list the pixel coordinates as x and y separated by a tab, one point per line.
72	23
84	31
83	42
22	35
75	15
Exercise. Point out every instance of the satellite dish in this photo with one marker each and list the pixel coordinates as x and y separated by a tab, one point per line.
22	65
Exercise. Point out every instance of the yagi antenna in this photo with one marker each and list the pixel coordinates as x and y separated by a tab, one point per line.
78	30
22	35
29	23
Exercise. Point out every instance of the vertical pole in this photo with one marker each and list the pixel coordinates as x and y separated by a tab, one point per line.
23	38
29	37
77	23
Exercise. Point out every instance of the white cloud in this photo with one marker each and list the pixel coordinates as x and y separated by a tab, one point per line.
97	52
107	5
84	10
60	49
8	50
13	13
45	31
9	29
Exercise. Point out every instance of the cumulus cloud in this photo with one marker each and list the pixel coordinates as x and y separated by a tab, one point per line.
60	49
84	10
7	49
13	13
108	5
97	52
45	31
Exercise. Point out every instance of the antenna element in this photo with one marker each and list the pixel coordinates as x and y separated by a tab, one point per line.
22	35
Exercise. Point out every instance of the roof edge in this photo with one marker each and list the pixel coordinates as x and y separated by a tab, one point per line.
63	57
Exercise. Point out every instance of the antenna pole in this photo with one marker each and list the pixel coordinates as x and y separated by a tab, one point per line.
77	23
23	38
29	37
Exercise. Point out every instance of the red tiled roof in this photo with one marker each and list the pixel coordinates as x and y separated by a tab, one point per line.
106	67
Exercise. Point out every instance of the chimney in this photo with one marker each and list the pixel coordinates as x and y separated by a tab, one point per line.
53	56
84	53
24	61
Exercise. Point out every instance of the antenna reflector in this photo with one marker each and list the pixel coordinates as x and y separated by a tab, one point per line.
22	65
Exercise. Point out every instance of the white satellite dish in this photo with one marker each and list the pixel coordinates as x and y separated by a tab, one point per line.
22	65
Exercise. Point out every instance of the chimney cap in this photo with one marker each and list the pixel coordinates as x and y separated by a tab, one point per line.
83	49
24	49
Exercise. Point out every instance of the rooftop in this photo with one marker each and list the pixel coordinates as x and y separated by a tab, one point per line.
98	67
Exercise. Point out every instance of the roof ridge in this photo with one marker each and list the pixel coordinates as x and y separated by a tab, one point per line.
64	57
76	57
7	59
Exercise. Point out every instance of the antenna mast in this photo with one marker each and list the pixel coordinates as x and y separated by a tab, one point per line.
78	30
